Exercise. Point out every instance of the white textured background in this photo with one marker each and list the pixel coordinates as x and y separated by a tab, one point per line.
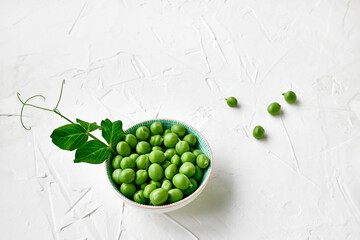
136	60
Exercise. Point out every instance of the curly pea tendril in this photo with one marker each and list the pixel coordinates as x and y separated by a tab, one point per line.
55	109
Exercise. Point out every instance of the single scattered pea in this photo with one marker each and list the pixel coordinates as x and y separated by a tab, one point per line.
231	101
156	140
142	133
190	139
127	175
128	189
123	149
170	140
274	108
198	173
258	132
116	176
178	129
158	196
141	176
187	169
191	189
127	162
169	153
202	161
142	162
181	181
166	184
143	147
156	128
175	195
157	156
139	197
116	161
188	157
197	152
176	160
170	171
156	172
131	140
182	147
148	189
290	97
157	148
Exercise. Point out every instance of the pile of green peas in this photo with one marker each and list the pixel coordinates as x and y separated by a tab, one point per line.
158	166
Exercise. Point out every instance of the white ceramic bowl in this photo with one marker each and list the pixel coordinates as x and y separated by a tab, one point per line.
202	144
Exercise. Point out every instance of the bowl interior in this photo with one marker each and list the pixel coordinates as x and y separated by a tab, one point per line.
167	124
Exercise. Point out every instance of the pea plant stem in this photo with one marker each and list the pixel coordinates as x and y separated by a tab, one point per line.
89	134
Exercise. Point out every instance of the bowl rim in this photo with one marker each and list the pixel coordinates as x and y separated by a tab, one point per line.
171	205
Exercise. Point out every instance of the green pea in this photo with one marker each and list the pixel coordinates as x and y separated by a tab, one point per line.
157	148
202	161
143	147
142	133
128	189
198	173
156	128
157	156
169	153
127	175
142	162
127	162
274	108
156	140
231	101
188	157
181	181
187	169
158	196
131	140
175	195
156	172
116	176
176	160
258	132
134	156
123	148
190	139
142	186
148	189
290	97
116	161
178	129
166	184
170	140
191	189
139	197
197	152
170	171
165	164
182	147
156	183
140	176
166	132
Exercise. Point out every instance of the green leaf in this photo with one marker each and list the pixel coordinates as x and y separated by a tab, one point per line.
88	126
69	137
94	151
112	132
